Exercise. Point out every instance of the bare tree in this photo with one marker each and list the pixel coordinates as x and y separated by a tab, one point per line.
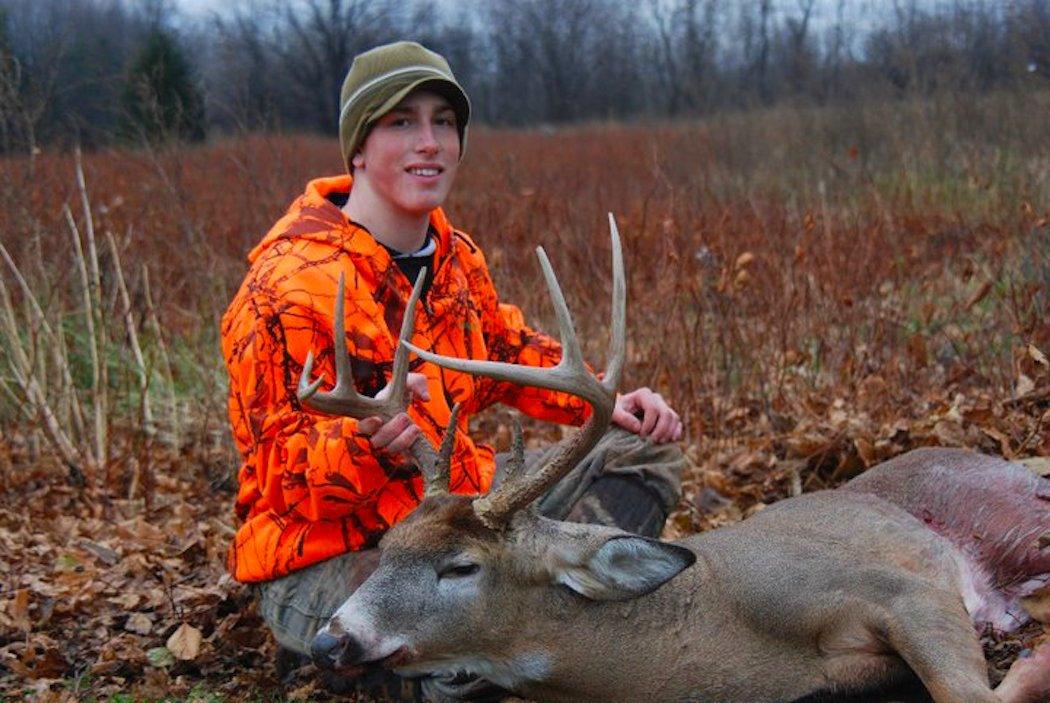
755	32
243	88
1033	30
799	59
319	39
268	63
836	53
686	50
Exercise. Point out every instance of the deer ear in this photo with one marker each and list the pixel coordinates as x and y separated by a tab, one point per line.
626	566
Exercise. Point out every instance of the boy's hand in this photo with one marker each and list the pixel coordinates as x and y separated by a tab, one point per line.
647	414
398	433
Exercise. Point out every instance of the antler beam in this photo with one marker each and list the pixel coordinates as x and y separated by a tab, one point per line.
570	376
344	399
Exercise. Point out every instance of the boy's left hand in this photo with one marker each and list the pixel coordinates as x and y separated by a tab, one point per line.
647	414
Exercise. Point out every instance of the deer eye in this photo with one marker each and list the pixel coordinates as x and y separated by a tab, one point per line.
458	571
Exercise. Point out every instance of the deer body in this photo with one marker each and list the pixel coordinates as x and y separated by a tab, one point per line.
833	592
828	592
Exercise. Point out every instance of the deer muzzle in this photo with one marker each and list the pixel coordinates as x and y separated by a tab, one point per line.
336	652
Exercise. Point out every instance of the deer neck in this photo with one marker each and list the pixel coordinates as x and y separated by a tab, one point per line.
600	650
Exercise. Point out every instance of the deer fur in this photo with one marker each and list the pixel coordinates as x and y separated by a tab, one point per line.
831	592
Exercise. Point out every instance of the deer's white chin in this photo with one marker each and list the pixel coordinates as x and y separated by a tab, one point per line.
375	648
509	673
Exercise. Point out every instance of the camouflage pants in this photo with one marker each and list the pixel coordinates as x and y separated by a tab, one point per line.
624	481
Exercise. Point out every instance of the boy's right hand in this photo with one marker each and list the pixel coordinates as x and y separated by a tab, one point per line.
398	433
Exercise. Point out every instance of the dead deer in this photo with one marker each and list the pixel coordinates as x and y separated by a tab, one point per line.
833	592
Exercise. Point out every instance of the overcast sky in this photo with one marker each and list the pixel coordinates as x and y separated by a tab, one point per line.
198	7
864	13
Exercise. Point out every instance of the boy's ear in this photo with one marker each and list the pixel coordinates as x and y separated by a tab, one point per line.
358	160
624	566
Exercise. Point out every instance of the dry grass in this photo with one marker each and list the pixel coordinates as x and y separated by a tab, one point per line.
815	290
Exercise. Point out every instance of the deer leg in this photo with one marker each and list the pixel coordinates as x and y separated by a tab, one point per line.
933	634
1028	680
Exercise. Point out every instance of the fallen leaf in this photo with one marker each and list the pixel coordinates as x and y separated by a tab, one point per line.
139	623
757	507
1001	438
40	661
126	600
1039	465
185	642
18	609
107	556
806	445
106	668
838	417
746	463
709	500
871	390
141	531
1024	386
308	692
1037	356
949	434
160	657
865	450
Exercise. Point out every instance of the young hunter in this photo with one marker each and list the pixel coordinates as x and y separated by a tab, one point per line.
318	491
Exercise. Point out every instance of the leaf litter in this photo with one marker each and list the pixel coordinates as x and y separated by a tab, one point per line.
101	597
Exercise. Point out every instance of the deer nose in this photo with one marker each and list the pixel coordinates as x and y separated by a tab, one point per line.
333	651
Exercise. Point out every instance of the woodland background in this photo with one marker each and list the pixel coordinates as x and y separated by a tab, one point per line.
837	227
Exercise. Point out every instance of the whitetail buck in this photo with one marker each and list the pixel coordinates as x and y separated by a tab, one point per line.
833	592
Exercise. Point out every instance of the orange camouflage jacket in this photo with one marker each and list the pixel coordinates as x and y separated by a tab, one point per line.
311	487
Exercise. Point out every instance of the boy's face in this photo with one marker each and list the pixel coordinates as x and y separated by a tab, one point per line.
410	156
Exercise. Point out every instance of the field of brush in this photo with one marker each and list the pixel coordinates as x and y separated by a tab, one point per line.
815	290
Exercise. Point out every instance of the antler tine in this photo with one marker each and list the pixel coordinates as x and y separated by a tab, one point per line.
344	399
570	376
399	372
572	356
516	461
437	481
618	334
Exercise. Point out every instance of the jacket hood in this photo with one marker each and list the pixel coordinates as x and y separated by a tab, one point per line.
312	217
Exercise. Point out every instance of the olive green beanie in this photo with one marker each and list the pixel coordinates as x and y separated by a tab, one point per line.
381	78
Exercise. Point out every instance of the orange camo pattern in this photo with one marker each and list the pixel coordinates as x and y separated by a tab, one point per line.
311	487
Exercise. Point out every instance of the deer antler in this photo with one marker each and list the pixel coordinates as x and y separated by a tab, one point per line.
344	399
570	376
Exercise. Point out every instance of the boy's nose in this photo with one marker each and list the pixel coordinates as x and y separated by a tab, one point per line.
428	143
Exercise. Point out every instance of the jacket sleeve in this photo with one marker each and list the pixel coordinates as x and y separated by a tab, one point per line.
510	340
296	460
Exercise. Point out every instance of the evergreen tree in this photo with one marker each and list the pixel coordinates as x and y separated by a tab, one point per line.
11	128
161	99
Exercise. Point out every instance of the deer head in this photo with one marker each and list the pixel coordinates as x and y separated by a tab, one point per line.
484	584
